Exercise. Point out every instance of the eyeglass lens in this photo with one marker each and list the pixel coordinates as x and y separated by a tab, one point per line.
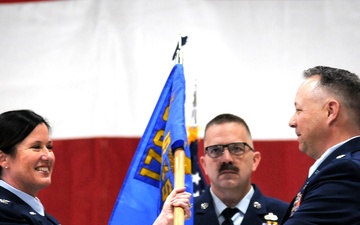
237	149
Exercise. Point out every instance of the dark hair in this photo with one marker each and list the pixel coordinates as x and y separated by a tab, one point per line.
344	85
227	118
15	126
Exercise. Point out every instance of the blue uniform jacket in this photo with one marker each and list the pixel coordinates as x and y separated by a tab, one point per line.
13	210
331	195
260	207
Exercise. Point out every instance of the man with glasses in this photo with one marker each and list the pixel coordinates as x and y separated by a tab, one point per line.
229	161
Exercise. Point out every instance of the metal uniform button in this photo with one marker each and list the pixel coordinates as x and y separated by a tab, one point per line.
257	205
204	205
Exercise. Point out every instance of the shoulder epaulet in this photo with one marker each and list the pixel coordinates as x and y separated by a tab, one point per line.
4	201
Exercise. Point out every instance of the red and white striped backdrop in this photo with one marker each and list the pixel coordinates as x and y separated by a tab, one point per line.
95	70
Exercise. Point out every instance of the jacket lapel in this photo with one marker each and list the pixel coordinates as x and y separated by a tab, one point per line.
204	210
351	146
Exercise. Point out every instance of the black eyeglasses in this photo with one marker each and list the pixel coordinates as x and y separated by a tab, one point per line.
237	149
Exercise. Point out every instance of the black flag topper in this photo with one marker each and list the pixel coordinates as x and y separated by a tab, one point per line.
183	42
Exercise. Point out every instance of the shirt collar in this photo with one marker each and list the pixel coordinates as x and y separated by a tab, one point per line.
325	155
34	202
242	205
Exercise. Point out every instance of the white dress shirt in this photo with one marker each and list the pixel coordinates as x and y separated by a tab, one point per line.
242	206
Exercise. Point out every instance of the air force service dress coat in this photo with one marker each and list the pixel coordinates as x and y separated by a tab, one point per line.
261	210
13	210
331	195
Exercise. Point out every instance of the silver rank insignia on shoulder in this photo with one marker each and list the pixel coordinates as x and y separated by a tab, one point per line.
204	205
32	213
340	156
257	205
4	201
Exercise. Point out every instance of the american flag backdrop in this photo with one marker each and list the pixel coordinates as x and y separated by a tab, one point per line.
94	69
198	178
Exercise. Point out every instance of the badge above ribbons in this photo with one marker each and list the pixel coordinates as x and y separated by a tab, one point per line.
271	219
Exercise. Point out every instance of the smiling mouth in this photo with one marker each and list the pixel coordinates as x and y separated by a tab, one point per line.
44	169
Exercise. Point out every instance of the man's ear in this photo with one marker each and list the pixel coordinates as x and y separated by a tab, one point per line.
256	160
332	108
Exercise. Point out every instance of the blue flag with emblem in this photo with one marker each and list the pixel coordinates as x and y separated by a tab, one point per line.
150	177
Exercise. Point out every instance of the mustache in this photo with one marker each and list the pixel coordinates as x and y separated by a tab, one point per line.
228	166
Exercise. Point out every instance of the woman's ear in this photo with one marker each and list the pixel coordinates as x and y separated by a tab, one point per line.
3	160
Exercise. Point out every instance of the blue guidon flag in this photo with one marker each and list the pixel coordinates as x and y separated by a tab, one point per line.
150	177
